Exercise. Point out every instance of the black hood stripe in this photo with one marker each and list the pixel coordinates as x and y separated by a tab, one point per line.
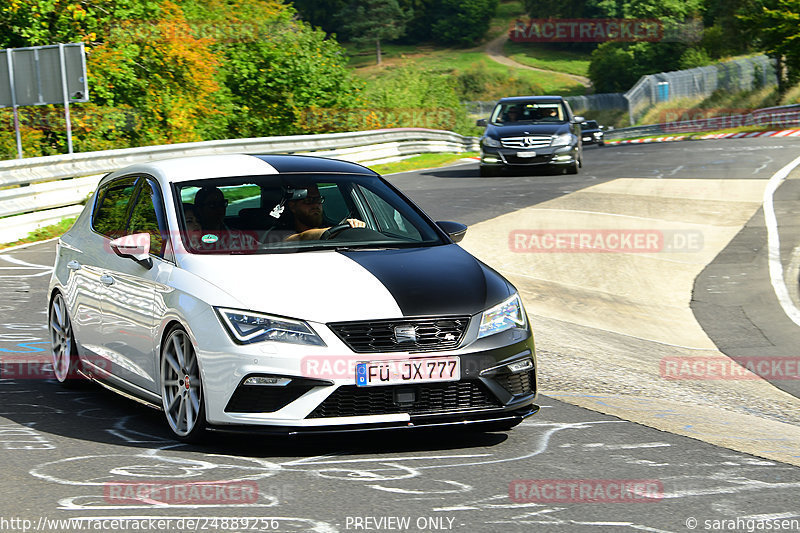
434	281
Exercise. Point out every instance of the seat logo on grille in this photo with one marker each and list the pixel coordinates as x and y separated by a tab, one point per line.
405	334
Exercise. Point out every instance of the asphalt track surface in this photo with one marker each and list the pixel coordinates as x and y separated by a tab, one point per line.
63	452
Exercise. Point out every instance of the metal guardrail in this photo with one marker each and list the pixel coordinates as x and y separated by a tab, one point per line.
783	116
48	189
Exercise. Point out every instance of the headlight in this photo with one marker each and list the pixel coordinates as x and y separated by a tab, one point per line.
597	133
565	139
503	316
489	141
247	327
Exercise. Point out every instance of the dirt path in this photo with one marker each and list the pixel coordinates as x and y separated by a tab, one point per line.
494	49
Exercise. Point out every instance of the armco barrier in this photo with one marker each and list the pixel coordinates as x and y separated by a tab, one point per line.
52	187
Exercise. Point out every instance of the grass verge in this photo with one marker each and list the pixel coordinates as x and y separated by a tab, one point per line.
43	233
419	162
548	57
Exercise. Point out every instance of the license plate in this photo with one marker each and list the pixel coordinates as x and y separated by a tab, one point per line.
526	154
374	373
587	138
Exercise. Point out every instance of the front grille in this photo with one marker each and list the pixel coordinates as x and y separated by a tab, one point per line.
518	384
512	159
432	334
350	400
524	143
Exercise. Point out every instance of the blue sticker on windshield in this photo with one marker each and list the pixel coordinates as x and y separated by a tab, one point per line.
209	238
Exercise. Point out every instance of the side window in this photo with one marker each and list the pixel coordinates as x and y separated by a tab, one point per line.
144	217
335	207
389	219
246	196
112	207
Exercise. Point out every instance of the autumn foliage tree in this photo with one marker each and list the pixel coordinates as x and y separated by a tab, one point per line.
167	71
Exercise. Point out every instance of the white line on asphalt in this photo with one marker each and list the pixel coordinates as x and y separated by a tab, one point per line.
774	243
23	263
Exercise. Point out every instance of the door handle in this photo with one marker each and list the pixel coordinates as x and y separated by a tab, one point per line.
105	279
74	265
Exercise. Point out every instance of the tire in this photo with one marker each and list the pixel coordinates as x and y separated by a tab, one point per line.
182	387
572	169
64	350
488	172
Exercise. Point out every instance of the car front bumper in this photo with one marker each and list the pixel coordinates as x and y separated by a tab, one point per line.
508	157
488	392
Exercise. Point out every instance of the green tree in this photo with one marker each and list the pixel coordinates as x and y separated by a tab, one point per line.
281	72
462	22
540	9
321	14
616	66
777	29
373	21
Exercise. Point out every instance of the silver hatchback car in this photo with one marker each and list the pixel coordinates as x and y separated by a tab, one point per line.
284	294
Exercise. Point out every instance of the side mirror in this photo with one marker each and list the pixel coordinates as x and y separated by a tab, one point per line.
136	247
481	122
455	230
578	119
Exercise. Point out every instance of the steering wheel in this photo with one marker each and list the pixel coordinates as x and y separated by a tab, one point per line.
331	232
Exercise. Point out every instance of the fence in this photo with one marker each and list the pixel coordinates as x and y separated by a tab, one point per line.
735	75
44	190
598	102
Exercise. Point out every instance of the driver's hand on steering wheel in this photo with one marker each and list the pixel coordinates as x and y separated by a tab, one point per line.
355	223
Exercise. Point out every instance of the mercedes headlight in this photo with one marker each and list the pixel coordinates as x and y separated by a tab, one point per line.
493	143
565	139
247	327
506	315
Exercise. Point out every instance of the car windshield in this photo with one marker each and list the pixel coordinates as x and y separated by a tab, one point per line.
590	125
297	213
529	112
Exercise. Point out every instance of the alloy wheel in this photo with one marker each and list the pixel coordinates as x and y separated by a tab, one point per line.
61	339
181	389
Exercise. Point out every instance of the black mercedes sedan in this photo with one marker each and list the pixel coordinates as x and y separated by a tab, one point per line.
528	132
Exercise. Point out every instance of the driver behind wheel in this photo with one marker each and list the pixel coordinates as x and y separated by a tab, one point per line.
308	219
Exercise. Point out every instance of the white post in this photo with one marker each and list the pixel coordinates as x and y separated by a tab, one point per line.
14	101
65	95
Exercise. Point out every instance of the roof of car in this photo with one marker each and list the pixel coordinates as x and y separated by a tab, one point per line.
230	165
529	98
303	163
